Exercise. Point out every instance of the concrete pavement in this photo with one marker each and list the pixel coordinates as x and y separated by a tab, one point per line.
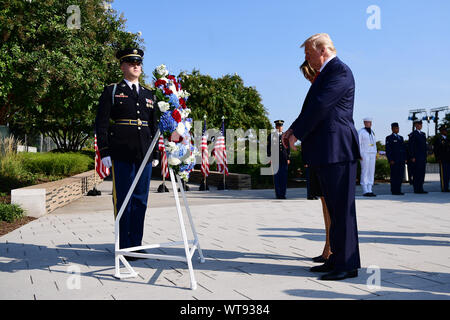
256	247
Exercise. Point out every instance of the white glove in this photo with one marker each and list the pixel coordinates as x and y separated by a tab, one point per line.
155	163
107	162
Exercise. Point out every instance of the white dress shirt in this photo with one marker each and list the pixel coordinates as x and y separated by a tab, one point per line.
326	62
130	84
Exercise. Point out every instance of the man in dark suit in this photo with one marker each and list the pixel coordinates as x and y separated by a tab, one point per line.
396	155
441	149
417	148
279	177
330	144
126	123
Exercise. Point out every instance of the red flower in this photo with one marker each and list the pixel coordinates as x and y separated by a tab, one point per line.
160	82
167	91
176	115
182	103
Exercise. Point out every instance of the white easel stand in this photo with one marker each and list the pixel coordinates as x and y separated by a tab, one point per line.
189	252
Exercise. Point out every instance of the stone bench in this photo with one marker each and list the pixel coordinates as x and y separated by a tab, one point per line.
44	198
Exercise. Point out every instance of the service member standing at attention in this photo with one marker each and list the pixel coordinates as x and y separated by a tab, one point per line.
126	123
396	155
280	177
368	146
442	153
417	148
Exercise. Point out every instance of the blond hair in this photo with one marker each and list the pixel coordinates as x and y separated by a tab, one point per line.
319	41
308	72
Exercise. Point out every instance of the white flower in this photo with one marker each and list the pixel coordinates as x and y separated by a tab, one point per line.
162	70
188	125
163	106
180	128
189	159
184	94
171	147
173	161
184	175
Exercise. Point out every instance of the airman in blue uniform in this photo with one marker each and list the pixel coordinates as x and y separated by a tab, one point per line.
396	155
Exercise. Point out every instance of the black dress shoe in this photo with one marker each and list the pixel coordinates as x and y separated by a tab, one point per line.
367	194
398	193
371	194
421	192
326	267
340	275
312	198
319	259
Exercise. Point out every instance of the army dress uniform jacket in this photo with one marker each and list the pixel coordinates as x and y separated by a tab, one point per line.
395	148
284	153
117	136
442	149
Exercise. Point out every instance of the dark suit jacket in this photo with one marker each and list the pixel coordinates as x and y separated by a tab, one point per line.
325	125
417	146
126	142
395	148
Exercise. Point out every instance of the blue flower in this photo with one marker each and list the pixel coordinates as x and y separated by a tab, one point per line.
167	123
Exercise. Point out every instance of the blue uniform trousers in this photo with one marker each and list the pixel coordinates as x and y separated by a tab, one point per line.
132	220
419	175
445	175
280	180
337	181
397	173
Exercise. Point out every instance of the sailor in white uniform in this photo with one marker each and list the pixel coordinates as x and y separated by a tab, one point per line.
368	146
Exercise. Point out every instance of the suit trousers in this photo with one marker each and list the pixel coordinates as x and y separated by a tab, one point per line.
397	173
337	181
132	220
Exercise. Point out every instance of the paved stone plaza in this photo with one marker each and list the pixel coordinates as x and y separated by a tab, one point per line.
255	247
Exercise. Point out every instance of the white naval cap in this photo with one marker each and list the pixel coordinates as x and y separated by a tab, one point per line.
367	119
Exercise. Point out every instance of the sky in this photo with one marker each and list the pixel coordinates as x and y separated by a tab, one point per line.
400	65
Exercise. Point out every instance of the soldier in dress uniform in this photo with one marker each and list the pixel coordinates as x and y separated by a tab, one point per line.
368	147
396	155
442	153
126	123
280	177
417	149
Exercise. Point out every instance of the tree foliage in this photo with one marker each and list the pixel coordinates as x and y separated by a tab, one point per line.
226	96
52	74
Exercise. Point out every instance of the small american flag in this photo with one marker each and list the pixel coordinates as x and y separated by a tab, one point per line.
205	156
220	152
164	164
102	171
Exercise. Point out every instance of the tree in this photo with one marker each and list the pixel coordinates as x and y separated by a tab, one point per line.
56	58
226	96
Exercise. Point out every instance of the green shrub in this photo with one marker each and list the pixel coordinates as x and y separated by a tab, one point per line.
382	169
12	173
57	164
10	212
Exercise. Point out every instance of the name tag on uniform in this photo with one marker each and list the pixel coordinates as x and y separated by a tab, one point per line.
371	145
395	140
121	96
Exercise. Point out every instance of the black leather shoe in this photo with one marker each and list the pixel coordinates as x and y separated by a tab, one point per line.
421	192
340	275
326	267
319	259
367	194
371	194
312	198
398	193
